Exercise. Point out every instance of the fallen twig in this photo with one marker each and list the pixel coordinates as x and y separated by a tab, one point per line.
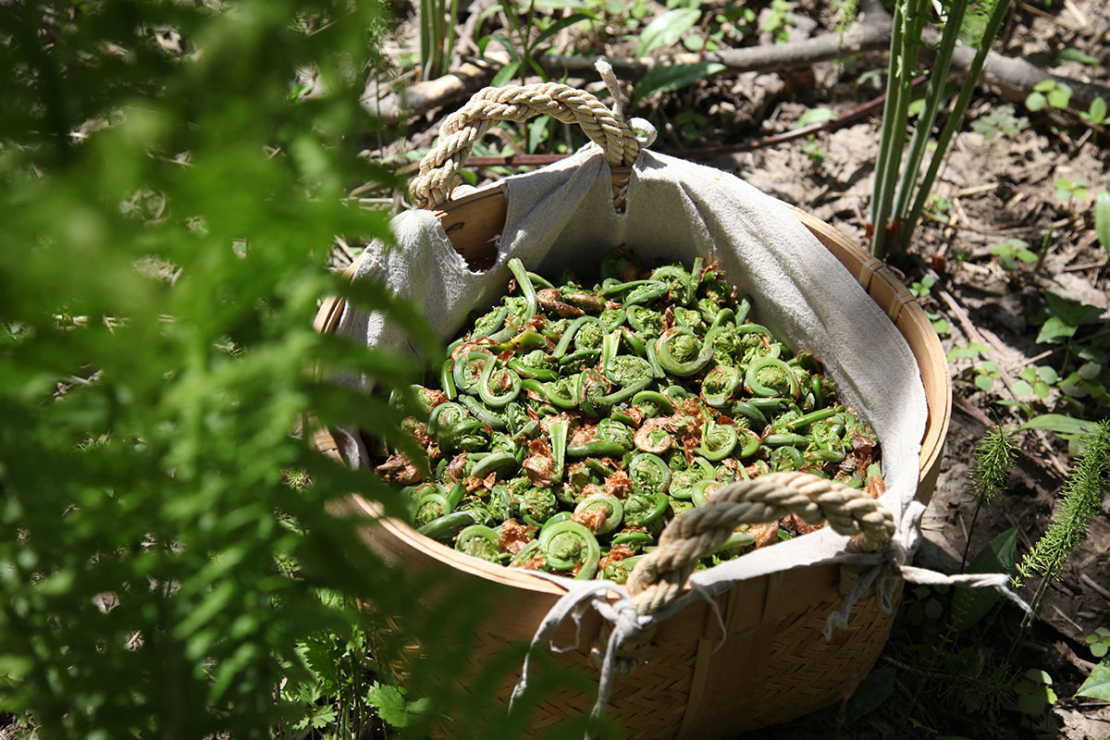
1014	77
863	111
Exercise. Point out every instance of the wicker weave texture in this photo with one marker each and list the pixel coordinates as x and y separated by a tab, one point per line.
788	669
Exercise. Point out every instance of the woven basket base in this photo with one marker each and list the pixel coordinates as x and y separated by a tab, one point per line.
798	672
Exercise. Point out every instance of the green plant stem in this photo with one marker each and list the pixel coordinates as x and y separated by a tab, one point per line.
970	531
427	11
1045	244
912	21
934	94
1034	604
886	138
954	120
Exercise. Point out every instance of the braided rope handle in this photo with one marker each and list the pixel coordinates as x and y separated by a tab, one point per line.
658	579
432	186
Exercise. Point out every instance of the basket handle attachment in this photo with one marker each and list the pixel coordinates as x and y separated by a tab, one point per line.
658	579
432	186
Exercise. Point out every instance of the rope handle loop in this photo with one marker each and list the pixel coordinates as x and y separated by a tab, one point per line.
432	186
658	579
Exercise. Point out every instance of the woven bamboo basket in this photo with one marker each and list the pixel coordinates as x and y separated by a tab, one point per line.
775	663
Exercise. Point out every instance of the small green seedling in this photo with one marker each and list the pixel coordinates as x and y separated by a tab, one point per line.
780	20
1035	692
1099	642
940	324
923	605
922	289
1049	93
1035	380
1096	114
985	372
811	148
999	121
814	152
939	206
1012	251
1066	189
690	124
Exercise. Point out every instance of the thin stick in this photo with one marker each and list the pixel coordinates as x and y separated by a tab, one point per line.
867	109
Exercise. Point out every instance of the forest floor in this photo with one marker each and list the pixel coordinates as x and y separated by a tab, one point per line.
1012	174
1011	225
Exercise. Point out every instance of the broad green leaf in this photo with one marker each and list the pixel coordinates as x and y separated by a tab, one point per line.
1060	424
1055	331
1021	388
1071	312
1026	256
505	74
1102	218
673	77
504	41
666	29
1036	101
1045	86
1060	96
1038	675
933	609
392	706
1097	685
972	350
1047	374
1028	374
969	605
1031	704
1041	389
1096	114
941	326
984	382
570	20
1089	370
537	132
815	115
872	691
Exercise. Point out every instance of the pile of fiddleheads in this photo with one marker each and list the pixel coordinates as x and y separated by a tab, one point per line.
569	424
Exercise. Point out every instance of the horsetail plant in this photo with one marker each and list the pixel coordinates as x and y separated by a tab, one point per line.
990	472
1081	500
892	217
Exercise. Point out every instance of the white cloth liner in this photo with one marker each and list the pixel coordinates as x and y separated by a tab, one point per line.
562	216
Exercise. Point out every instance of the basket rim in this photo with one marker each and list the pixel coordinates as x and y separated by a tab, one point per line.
908	309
